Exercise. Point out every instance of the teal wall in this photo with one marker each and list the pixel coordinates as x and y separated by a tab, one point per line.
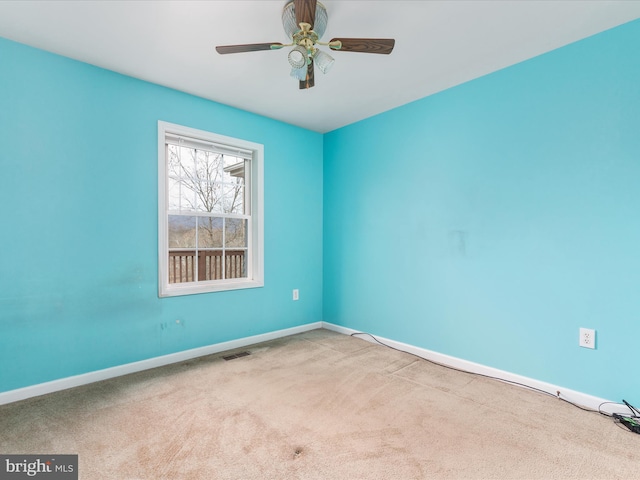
492	220
78	242
488	222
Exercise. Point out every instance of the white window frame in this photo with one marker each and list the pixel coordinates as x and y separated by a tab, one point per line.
255	264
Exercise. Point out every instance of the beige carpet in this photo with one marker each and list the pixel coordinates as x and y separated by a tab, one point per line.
318	405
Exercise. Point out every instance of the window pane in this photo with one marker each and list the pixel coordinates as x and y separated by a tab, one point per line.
210	198
182	231
181	196
233	199
236	233
233	170
173	159
174	194
235	263
210	232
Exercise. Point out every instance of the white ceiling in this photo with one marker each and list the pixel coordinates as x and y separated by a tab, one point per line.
439	44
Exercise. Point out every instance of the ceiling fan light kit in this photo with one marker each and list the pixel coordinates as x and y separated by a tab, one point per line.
323	60
298	57
304	22
299	73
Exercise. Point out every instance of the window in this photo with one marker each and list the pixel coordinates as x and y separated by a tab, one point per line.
210	231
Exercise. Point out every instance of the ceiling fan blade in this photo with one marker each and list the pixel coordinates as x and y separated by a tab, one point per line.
305	11
309	82
251	47
366	45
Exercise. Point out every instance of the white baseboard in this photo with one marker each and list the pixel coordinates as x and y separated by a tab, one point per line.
572	396
98	375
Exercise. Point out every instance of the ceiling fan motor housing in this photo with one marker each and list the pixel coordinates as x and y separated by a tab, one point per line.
291	26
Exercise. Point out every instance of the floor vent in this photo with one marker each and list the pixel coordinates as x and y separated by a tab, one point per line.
236	355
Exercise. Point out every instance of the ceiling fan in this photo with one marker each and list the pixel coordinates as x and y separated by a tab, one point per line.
305	22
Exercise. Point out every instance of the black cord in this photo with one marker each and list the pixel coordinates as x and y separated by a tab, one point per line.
605	413
558	395
633	409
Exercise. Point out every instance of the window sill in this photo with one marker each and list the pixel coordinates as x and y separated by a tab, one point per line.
175	290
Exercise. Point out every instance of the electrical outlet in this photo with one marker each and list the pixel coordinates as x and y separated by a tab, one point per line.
296	294
587	338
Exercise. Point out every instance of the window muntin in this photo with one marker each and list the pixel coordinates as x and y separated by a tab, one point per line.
210	212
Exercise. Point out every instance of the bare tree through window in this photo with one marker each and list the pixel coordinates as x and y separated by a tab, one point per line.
207	198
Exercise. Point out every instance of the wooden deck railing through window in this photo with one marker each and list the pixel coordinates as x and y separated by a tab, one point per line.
182	267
